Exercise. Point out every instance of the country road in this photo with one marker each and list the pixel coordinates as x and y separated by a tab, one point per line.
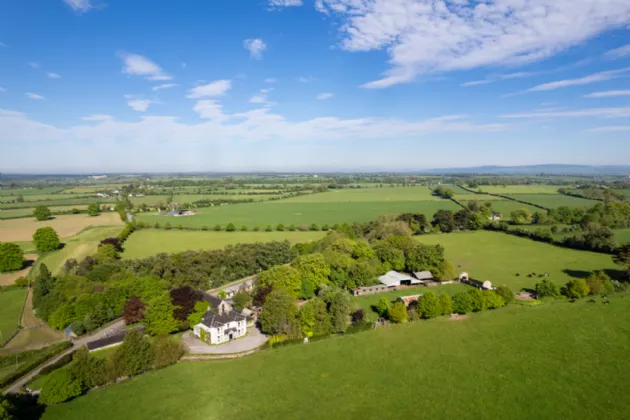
118	325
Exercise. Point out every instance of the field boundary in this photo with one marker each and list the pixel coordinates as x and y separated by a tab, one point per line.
505	197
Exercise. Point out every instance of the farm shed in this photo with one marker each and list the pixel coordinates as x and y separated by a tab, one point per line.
423	276
394	278
408	300
370	290
111	340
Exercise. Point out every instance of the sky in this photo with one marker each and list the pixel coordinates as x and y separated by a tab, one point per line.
92	86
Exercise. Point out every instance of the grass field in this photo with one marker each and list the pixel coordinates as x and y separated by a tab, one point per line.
622	236
554	200
29	211
29	191
505	207
286	212
520	189
498	257
20	230
558	360
386	194
78	247
478	197
11	302
148	242
69	202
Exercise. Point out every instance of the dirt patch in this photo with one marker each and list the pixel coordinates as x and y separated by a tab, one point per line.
10	278
458	317
525	296
21	230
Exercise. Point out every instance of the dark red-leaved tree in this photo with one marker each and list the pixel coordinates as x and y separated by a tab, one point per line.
184	299
134	309
112	241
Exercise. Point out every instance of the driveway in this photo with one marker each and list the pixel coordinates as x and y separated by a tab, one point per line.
251	341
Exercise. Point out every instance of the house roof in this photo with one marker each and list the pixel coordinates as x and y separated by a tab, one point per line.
423	275
214	320
238	287
112	339
409	299
211	299
393	278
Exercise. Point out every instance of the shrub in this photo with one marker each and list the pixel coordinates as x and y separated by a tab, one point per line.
204	227
546	288
166	351
133	356
22	282
492	300
280	227
46	239
93	210
506	294
60	386
167	226
180	226
58	364
302	228
217	228
42	213
476	300
268	228
292	228
462	303
398	313
383	306
243	228
429	306
447	304
313	227
230	227
325	228
575	289
256	228
90	370
598	282
134	309
11	257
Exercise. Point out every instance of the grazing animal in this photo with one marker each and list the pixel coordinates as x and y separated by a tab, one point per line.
518	274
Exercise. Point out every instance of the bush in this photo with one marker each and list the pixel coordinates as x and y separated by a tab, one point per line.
133	356
506	294
575	289
256	228
46	239
167	226
598	282
492	300
462	303
292	228
230	227
166	351
60	386
313	227
243	228
268	228
42	213
447	304
217	228
204	228
325	228
429	306
398	313
11	257
476	299
280	227
34	358
58	364
383	306
93	210
546	288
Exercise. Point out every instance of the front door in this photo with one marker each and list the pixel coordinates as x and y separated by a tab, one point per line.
231	336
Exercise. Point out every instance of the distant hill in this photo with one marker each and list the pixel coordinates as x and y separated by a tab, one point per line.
554	169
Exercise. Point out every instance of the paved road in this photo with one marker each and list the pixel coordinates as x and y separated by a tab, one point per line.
252	340
109	329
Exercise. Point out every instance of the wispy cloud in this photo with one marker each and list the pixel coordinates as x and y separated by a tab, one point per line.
138	104
80	6
98	117
619	52
271	80
164	86
34	96
209	109
610	129
137	65
608	94
216	88
324	96
593	78
306	79
428	37
579	113
2	44
255	47
258	99
493	79
33	65
285	3
53	75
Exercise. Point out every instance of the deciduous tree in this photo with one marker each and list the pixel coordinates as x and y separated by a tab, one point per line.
93	210
42	213
398	313
46	239
279	311
158	317
429	305
11	257
134	310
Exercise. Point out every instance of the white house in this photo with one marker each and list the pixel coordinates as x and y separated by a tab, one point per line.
221	323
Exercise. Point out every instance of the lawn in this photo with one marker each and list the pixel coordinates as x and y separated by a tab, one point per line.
287	212
11	302
20	230
553	361
498	257
554	200
148	242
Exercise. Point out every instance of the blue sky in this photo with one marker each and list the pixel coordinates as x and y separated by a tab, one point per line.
312	85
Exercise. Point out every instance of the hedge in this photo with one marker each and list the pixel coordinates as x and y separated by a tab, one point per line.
37	357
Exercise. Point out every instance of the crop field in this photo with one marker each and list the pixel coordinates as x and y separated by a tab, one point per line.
499	257
17	230
70	202
148	242
11	302
77	247
557	360
43	198
520	189
554	200
152	200
286	212
385	194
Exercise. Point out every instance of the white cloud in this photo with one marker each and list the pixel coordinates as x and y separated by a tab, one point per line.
258	99
53	75
619	52
324	96
608	94
306	79
271	80
209	109
216	88
593	78
429	36
34	96
79	6
138	104
98	117
267	90
285	3
137	65
34	65
519	75
184	65
579	113
610	129
2	44
255	47
164	86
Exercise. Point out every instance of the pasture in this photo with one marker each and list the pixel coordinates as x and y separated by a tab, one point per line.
386	194
498	257
519	189
552	361
69	202
20	230
29	191
505	207
622	236
11	302
554	200
148	242
28	211
287	212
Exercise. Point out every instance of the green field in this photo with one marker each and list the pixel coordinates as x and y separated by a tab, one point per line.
505	207
498	257
148	242
520	189
553	361
11	302
554	200
622	236
386	194
71	202
29	191
286	212
29	211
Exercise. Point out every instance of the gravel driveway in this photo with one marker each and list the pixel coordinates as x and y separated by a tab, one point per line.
252	340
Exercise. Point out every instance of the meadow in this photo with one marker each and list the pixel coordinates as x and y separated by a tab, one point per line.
29	191
499	257
147	242
19	230
386	194
69	202
505	207
554	200
552	361
519	189
287	212
28	211
11	302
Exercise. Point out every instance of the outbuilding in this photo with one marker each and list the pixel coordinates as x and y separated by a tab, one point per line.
394	278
